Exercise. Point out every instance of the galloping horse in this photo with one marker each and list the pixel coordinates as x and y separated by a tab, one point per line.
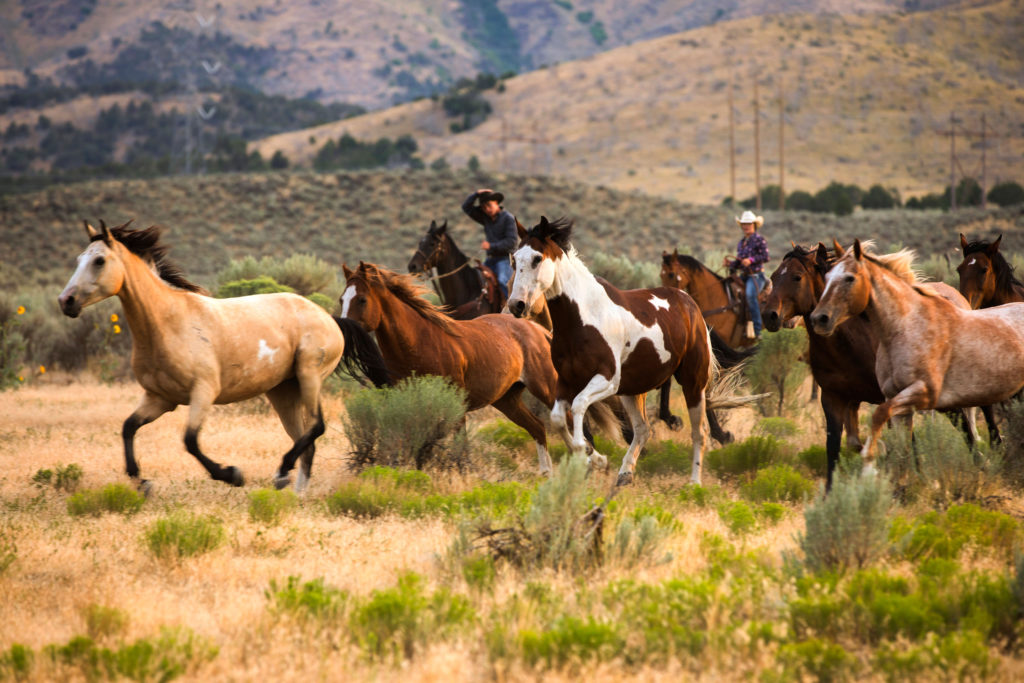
609	342
931	353
191	349
465	289
986	279
493	357
711	292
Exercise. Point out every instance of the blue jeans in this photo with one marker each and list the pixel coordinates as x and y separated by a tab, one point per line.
754	284
502	270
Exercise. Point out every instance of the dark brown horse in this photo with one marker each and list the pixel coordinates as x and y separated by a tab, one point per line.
609	342
986	279
468	291
493	357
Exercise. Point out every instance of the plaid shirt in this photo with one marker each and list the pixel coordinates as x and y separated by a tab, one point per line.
754	248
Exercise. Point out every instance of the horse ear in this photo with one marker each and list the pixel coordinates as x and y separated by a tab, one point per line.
963	243
675	252
792	244
821	255
857	251
108	239
89	230
994	247
433	226
442	228
347	271
837	247
521	231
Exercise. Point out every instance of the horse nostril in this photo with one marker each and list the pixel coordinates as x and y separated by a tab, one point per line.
820	320
517	308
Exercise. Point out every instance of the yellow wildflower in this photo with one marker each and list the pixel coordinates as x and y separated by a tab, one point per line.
117	329
21	310
42	369
20	378
113	317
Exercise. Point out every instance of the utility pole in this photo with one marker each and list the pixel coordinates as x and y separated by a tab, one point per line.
984	203
952	162
732	143
782	151
757	146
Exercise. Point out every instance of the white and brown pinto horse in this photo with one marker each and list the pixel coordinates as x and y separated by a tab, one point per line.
191	349
931	353
609	342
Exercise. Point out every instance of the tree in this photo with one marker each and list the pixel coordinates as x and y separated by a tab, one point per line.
878	197
279	161
1006	194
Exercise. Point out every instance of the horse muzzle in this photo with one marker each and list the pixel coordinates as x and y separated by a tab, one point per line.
823	324
517	307
772	321
69	304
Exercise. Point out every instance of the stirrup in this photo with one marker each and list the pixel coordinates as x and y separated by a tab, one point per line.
750	330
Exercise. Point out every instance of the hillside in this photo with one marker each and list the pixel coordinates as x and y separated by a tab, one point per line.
371	53
866	98
380	217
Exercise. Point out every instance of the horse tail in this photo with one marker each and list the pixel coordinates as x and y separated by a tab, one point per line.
726	381
361	356
603	415
727	356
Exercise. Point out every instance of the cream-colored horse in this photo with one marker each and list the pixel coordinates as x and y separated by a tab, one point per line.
931	354
191	349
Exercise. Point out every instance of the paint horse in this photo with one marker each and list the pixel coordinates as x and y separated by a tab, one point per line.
467	290
931	353
608	342
986	279
191	349
493	357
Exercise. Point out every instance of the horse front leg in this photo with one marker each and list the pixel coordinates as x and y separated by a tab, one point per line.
674	422
831	405
916	395
635	410
150	408
598	388
198	408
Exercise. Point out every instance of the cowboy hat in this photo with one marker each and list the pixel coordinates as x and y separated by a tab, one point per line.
485	197
749	217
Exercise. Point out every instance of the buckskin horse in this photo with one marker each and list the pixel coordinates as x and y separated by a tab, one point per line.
191	349
609	342
493	357
986	279
931	353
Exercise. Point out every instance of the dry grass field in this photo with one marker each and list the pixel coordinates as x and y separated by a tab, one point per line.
730	607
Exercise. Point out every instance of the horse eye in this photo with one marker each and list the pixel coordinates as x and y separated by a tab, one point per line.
361	298
99	262
536	261
797	278
850	278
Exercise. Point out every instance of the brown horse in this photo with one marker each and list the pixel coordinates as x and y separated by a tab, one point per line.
724	313
191	349
608	342
493	357
986	279
931	353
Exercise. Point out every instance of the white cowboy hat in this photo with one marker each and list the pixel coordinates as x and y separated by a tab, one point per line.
749	217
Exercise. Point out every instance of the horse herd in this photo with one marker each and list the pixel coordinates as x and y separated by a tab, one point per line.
877	335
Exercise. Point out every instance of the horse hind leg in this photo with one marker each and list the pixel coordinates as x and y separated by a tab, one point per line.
286	398
511	405
635	407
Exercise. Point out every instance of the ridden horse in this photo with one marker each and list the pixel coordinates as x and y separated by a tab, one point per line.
465	289
607	342
711	293
191	349
493	357
986	279
931	353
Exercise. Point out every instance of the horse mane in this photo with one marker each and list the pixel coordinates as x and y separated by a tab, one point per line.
407	290
901	264
1006	278
146	245
688	261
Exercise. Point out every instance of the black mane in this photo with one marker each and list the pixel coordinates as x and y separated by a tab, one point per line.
558	231
691	262
1005	276
146	245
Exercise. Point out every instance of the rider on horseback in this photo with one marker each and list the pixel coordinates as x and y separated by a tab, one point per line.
751	255
500	232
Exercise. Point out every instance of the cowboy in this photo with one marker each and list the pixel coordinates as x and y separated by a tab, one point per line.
500	235
751	255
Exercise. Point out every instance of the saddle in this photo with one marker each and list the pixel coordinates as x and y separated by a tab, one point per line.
490	293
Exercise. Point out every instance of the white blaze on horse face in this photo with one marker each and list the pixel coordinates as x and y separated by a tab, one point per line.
346	300
534	276
658	302
265	351
972	261
87	281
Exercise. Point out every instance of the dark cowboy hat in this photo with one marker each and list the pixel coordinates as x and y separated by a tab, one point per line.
485	197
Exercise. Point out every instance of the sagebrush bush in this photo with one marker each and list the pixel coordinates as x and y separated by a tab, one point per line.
815	459
264	284
118	498
821	659
849	527
778	483
665	457
741	457
572	640
505	433
302	273
102	621
946	534
175	652
307	599
779	427
61	477
624	272
405	425
776	368
182	534
269	506
16	662
738	516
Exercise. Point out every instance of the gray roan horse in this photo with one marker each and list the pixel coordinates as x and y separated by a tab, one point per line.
191	349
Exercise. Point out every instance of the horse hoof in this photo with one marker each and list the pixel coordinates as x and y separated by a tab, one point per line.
281	481
234	476
145	487
625	479
674	422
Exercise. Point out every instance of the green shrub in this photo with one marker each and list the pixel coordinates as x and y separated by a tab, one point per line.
665	457
404	425
815	459
638	539
848	527
777	368
411	480
12	342
505	433
479	572
269	506
307	599
737	516
102	622
61	477
821	659
8	548
174	653
748	456
779	427
945	534
182	534
394	622
302	273
778	483
357	499
16	661
264	284
322	300
1006	194
571	640
119	498
701	496
624	272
